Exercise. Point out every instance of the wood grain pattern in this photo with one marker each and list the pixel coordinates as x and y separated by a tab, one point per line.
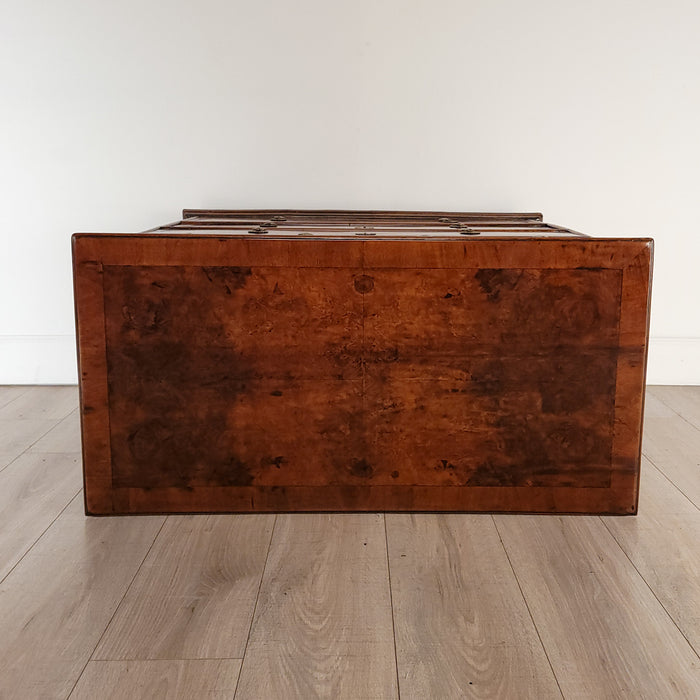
347	379
88	294
462	627
206	679
56	603
600	624
353	214
228	250
234	372
34	489
198	604
264	355
323	627
663	543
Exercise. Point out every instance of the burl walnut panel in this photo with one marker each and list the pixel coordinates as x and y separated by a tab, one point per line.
316	386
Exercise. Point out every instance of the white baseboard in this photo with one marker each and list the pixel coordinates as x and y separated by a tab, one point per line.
50	359
674	361
38	359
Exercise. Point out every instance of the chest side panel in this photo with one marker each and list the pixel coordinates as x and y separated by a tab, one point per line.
224	376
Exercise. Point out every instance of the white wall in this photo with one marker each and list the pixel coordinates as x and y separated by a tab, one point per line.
115	116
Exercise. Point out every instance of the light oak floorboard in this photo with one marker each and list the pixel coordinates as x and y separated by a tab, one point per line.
462	627
655	407
56	603
158	680
42	402
673	445
18	435
684	400
323	619
323	626
10	393
65	437
34	489
195	593
605	633
663	543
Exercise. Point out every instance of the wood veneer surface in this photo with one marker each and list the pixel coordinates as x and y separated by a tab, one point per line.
249	372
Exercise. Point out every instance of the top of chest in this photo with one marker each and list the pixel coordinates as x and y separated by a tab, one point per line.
346	224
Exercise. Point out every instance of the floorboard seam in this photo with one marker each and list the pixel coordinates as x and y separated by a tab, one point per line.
46	386
681	416
522	595
255	606
670	481
116	608
16	397
49	452
188	658
391	604
646	583
33	544
29	447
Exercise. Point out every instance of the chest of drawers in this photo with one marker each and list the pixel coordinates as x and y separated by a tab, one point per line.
284	360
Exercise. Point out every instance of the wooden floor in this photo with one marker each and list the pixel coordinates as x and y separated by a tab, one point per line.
344	606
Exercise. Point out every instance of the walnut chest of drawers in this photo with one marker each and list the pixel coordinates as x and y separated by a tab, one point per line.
285	360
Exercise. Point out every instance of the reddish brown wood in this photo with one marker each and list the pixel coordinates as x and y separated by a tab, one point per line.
353	215
240	372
